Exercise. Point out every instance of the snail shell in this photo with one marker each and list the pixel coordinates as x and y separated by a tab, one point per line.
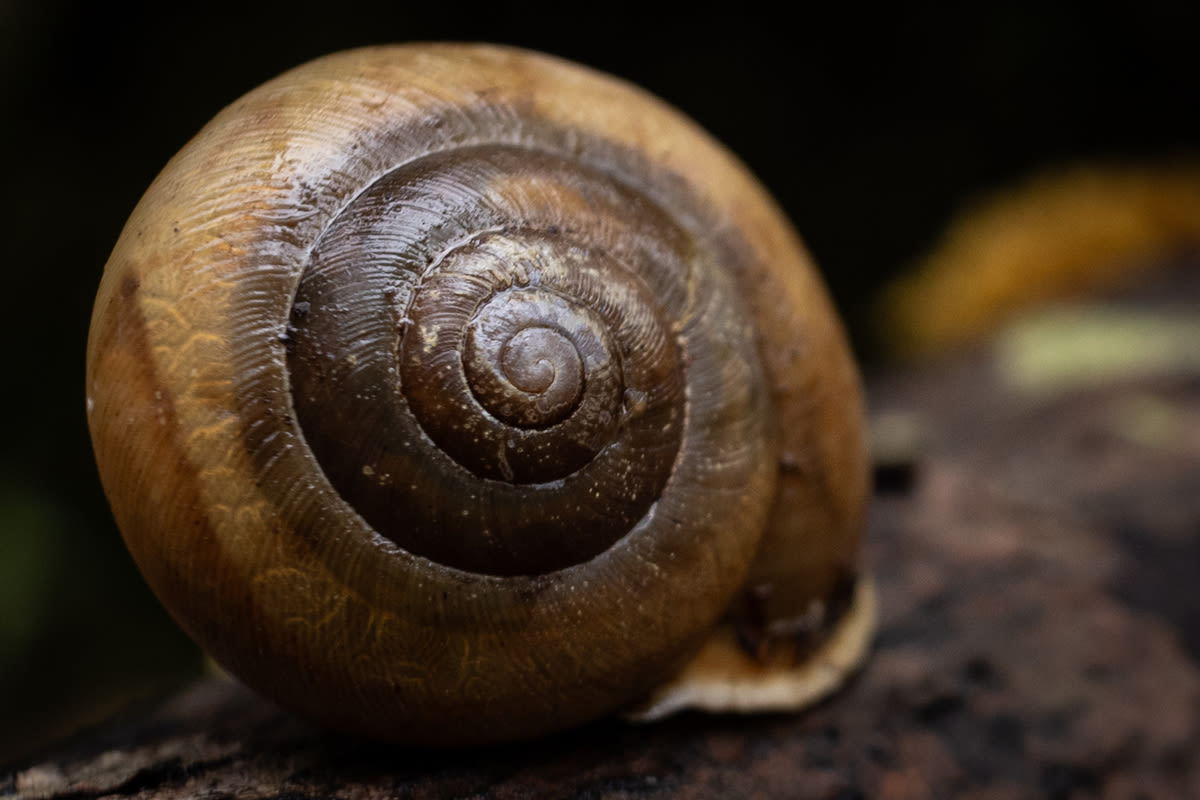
456	393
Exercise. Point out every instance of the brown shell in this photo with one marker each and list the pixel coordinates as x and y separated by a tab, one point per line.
455	393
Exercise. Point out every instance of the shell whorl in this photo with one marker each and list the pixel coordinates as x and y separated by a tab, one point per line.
486	355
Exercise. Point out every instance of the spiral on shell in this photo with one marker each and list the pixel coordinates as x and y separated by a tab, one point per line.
441	402
495	382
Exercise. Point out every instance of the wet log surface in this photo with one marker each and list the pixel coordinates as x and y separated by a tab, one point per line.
1037	555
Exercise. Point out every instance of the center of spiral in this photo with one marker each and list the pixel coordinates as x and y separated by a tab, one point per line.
533	358
509	361
528	374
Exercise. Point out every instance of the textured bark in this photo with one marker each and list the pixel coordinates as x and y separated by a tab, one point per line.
1037	557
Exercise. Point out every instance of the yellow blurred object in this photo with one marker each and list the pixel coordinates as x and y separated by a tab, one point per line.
1064	234
1063	349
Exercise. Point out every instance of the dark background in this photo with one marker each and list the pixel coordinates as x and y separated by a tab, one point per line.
871	126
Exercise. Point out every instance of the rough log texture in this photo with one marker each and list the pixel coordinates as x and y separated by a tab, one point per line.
1037	557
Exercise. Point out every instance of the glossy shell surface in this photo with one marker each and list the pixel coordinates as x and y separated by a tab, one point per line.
455	393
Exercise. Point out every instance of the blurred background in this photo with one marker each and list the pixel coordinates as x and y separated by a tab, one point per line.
873	128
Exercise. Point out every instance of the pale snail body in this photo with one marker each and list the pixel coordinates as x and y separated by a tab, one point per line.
456	393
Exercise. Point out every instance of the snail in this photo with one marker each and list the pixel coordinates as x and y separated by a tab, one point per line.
455	394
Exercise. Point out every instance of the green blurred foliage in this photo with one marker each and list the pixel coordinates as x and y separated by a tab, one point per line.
79	636
35	532
869	124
